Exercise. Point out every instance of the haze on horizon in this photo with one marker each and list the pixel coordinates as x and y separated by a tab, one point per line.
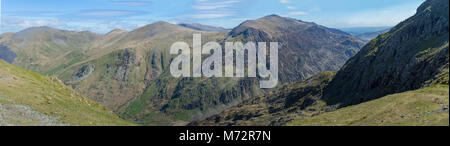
102	16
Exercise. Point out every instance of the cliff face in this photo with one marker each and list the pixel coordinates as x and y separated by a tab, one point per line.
410	56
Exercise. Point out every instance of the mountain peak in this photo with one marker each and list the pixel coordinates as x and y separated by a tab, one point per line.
162	23
273	16
39	28
435	6
117	30
34	31
158	25
273	25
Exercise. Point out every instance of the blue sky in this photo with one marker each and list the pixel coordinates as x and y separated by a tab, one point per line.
102	16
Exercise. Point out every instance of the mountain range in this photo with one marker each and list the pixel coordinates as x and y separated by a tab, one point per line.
366	37
355	31
129	71
321	70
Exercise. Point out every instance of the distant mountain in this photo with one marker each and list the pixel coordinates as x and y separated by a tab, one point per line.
412	55
366	37
43	49
28	99
124	65
355	31
305	48
202	27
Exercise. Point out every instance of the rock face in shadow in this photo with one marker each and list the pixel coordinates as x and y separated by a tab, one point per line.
6	54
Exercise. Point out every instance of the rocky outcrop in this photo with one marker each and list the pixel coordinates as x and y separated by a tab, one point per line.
126	60
84	72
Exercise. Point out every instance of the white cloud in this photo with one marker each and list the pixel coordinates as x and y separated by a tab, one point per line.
99	14
209	15
285	1
297	13
210	9
23	23
106	13
207	5
131	3
290	7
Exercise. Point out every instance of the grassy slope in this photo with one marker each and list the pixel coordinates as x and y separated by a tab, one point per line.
48	96
420	107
